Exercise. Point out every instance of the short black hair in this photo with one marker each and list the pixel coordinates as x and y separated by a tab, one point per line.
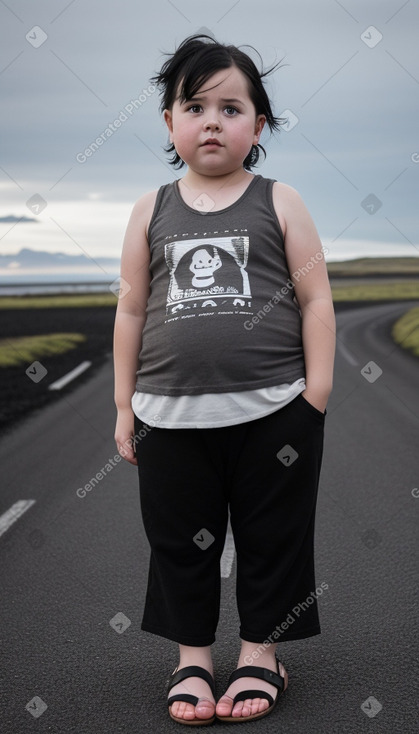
193	63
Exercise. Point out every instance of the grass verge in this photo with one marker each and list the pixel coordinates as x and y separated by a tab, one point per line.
405	331
398	291
22	350
79	300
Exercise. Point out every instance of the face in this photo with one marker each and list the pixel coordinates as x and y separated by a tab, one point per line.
203	266
214	131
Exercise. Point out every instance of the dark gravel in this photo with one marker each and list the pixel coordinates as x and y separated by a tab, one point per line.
19	393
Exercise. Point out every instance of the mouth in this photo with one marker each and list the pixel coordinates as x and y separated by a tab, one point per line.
211	141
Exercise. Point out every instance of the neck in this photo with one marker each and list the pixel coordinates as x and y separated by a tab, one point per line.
195	181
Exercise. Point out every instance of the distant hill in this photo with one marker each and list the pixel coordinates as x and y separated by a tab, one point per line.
366	266
374	266
27	258
12	218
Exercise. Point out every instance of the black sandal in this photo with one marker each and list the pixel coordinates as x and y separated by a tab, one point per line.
177	677
276	679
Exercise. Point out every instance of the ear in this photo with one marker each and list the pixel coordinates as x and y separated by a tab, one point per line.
169	122
260	121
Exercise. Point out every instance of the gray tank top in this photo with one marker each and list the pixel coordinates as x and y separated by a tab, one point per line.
221	315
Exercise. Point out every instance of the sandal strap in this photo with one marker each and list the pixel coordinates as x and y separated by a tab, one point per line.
250	671
253	694
188	698
191	671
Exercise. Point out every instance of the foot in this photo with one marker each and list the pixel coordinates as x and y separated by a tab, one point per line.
250	705
204	709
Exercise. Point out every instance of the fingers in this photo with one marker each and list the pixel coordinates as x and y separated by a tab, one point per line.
126	450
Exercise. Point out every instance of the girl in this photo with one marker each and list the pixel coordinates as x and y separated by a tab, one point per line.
224	348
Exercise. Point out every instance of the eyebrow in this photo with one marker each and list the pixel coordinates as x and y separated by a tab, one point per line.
225	100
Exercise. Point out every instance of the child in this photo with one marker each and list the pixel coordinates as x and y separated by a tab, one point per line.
224	348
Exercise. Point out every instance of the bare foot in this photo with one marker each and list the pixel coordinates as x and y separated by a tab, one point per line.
204	709
250	705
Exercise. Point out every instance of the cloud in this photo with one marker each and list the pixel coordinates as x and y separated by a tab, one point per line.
356	104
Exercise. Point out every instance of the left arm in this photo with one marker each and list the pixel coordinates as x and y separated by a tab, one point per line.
308	271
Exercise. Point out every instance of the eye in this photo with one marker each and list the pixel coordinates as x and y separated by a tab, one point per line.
231	111
194	108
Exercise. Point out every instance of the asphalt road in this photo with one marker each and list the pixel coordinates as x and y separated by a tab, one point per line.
74	569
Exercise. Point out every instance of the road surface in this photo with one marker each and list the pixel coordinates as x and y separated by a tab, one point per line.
74	565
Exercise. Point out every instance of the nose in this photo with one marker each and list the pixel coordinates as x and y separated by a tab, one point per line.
212	123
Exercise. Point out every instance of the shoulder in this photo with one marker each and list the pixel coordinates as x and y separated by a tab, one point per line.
146	200
143	208
286	199
287	203
135	256
135	241
286	192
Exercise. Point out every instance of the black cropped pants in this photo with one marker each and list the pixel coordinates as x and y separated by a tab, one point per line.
266	472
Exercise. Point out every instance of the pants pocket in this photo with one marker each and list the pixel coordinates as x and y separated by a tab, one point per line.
310	408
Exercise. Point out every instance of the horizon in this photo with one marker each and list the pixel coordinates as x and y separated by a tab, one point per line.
15	271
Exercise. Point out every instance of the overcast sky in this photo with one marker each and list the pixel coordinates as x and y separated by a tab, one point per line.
69	69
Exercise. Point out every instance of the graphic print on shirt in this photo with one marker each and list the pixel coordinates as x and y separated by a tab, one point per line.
208	275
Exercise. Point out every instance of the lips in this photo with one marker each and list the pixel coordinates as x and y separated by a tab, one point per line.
212	141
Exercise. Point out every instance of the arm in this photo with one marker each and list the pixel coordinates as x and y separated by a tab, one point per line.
312	289
130	319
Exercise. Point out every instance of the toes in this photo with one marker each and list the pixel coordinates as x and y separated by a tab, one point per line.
263	704
244	708
174	708
250	706
183	710
241	708
224	706
204	709
238	709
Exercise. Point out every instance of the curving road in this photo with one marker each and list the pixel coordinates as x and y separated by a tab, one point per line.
74	568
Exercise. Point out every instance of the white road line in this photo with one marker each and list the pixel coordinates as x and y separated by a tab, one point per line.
58	384
346	353
227	558
13	513
341	346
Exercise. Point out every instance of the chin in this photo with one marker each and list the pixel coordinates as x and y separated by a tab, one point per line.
213	167
213	171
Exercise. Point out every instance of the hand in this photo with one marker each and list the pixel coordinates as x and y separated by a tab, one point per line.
124	432
316	399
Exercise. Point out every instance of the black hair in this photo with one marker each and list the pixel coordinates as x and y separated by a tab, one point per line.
193	63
